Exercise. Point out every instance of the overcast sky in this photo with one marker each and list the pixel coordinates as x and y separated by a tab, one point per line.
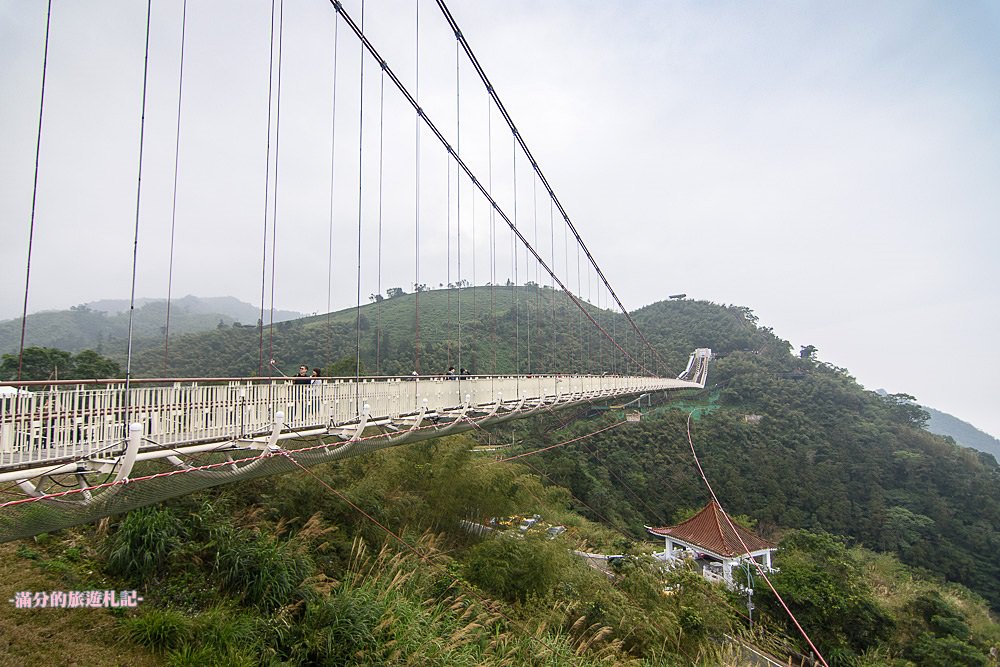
833	166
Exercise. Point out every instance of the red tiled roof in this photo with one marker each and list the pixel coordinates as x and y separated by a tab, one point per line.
709	530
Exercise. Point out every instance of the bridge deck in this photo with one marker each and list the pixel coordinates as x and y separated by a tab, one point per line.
63	422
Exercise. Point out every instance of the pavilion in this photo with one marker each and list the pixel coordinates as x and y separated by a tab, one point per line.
712	541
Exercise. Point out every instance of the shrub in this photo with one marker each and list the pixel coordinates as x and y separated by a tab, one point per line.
158	629
515	569
143	543
260	571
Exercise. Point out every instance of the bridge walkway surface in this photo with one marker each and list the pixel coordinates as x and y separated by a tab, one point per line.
77	451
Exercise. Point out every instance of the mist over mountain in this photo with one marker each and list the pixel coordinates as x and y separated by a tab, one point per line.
103	325
227	306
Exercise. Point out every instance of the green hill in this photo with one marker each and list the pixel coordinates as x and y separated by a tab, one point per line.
825	455
503	329
293	567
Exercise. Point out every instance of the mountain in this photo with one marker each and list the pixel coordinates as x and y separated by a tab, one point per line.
525	329
103	325
227	306
846	480
820	453
962	432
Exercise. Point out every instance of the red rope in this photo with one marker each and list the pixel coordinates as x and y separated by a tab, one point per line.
760	569
561	444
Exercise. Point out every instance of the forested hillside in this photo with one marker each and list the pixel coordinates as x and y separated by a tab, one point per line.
366	562
825	454
527	329
846	480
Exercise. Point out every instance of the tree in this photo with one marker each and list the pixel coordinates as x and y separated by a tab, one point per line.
377	298
825	587
47	363
515	569
346	366
808	352
904	409
393	292
90	365
38	363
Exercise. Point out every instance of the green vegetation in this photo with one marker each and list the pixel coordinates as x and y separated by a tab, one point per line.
283	571
529	329
880	523
243	576
825	456
45	363
962	432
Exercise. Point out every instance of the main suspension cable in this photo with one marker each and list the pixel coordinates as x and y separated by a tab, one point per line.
138	201
338	6
524	146
34	188
173	206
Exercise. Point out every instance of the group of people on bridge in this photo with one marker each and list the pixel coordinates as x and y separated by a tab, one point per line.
303	376
450	374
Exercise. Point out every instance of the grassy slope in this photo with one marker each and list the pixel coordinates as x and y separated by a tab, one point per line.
58	636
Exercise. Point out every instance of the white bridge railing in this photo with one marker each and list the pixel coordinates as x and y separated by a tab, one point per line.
59	422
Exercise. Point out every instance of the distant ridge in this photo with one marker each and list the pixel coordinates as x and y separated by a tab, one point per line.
103	325
964	433
228	306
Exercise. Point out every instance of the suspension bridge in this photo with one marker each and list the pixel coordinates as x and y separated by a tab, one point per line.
73	451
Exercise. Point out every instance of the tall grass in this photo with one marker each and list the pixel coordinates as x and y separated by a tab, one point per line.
260	571
158	629
143	543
